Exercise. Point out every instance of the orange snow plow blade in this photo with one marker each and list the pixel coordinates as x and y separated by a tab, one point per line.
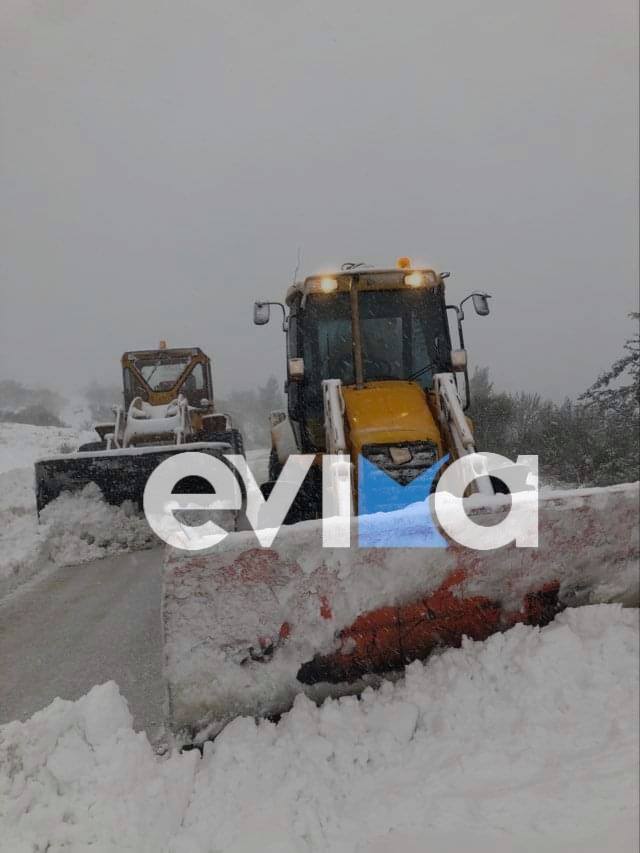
247	628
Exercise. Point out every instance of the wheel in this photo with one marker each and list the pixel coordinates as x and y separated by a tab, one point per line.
199	485
307	504
275	466
232	437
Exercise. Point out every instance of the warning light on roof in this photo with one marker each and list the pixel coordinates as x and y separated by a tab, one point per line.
404	263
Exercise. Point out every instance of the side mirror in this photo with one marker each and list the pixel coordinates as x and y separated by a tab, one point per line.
296	369
261	313
481	303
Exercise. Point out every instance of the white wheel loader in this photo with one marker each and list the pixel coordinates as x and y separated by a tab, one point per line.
167	409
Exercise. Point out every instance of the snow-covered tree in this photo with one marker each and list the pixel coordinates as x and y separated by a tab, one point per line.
618	389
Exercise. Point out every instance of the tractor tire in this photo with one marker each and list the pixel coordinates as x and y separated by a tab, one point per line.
307	504
198	485
275	466
232	437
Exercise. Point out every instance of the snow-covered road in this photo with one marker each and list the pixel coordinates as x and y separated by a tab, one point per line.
83	625
79	600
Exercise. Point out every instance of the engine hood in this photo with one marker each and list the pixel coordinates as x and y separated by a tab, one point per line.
386	412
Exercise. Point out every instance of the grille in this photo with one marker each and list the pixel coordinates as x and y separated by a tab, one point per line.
423	455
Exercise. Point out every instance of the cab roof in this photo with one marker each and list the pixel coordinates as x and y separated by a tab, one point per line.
381	278
175	352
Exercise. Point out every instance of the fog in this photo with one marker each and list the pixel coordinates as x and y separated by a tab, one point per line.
162	164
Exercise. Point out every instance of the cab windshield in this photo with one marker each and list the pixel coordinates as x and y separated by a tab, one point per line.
161	374
404	335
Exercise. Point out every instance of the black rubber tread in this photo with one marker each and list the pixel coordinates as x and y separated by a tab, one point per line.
275	466
233	437
307	504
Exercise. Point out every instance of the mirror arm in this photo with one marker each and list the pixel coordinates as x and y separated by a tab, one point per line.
285	319
284	313
466	299
460	318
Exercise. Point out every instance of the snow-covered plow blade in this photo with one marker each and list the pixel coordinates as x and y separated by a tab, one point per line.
121	474
247	628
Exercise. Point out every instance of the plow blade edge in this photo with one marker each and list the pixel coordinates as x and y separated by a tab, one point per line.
120	474
247	628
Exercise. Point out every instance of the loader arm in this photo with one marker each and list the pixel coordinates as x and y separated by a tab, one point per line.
339	469
456	426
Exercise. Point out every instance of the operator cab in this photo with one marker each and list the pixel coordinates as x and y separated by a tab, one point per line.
363	326
159	376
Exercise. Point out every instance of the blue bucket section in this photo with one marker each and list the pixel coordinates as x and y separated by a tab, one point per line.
394	516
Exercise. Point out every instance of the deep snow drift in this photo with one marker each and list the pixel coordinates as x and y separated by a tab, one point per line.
73	529
528	741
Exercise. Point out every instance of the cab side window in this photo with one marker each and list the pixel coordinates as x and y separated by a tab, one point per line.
195	387
131	387
292	335
293	389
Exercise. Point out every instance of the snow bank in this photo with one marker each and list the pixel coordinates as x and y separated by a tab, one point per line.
76	774
79	527
219	604
75	528
528	741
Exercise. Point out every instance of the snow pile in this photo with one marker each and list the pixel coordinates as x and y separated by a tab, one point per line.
76	774
19	542
75	528
81	526
76	412
528	741
212	618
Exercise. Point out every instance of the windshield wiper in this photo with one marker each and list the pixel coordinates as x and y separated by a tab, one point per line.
150	376
419	373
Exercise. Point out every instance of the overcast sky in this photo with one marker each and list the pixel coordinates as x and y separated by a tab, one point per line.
161	163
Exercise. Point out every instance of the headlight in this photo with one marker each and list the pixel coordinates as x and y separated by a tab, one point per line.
421	279
328	285
415	279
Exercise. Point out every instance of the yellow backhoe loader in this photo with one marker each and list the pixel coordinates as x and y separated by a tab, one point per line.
376	399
